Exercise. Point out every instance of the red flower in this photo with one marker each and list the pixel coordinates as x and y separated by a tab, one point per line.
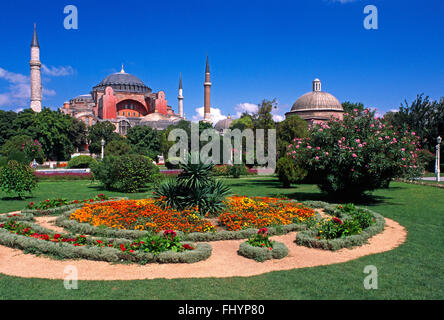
122	247
57	236
337	220
187	247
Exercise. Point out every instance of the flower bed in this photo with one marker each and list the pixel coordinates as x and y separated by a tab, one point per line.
166	248
347	227
260	248
244	212
242	218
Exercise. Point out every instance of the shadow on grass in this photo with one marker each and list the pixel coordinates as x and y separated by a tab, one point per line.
17	198
101	188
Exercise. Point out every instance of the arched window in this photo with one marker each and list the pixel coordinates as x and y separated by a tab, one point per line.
124	127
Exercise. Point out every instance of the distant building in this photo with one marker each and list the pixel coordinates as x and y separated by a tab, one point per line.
317	106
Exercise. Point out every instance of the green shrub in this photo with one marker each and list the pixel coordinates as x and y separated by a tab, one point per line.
262	254
237	170
117	148
356	155
81	162
289	172
427	159
171	166
128	173
106	171
17	178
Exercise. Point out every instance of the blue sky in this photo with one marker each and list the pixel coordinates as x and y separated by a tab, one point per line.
258	50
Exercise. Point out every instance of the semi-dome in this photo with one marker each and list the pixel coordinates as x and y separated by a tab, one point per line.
123	81
317	100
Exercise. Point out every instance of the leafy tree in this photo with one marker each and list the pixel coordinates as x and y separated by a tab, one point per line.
6	128
101	130
58	133
289	129
350	107
423	116
144	140
17	178
244	122
14	144
117	148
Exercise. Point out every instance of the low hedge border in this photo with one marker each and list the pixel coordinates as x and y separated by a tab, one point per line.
85	228
19	217
68	251
308	237
62	209
259	254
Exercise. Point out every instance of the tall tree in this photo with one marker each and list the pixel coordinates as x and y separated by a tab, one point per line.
349	107
423	116
6	129
289	129
101	130
144	140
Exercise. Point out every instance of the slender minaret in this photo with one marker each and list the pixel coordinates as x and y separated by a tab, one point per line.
207	86
36	79
180	97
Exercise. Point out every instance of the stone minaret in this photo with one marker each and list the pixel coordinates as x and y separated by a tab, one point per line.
36	79
180	97
207	85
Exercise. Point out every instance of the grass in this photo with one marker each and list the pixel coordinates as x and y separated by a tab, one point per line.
412	271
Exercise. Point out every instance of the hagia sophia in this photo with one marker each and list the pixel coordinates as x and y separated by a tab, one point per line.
124	100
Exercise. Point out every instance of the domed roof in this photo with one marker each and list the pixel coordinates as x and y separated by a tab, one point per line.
123	81
224	124
317	100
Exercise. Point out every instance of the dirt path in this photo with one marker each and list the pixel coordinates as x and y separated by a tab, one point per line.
224	262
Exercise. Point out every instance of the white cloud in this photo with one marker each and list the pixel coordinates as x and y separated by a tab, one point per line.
57	71
18	91
216	115
245	107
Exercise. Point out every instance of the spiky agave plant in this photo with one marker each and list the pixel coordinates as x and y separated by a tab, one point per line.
195	174
194	187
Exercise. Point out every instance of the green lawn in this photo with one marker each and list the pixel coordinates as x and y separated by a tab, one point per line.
415	270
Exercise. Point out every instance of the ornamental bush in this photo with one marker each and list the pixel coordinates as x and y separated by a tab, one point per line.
81	162
17	178
289	172
129	173
357	154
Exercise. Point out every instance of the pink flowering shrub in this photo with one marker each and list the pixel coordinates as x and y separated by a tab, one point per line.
356	155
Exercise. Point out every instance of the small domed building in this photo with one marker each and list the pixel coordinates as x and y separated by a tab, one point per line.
223	125
317	106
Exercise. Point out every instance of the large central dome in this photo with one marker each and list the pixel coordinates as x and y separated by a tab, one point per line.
123	82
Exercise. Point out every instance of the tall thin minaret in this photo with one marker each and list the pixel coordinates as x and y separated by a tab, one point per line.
207	86
180	97
36	78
